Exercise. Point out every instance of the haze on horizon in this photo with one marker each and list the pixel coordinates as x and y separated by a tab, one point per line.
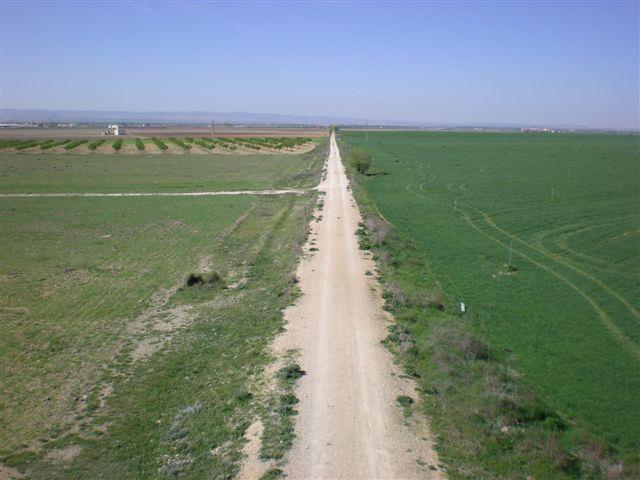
572	63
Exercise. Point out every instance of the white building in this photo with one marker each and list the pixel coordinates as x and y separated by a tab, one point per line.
115	130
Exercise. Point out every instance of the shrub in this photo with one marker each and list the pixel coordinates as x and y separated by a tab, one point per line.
159	143
117	145
180	143
436	299
206	279
27	144
51	143
290	373
379	230
404	401
95	144
394	294
9	143
71	145
360	160
139	144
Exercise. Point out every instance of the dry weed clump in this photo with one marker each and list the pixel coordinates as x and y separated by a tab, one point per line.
400	338
393	294
436	299
379	231
382	256
452	347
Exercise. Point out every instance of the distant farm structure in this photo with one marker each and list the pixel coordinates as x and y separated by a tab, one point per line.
115	130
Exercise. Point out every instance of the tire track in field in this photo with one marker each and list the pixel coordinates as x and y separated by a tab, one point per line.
562	261
561	241
428	182
420	185
297	191
558	258
630	233
461	187
408	188
626	342
375	206
618	335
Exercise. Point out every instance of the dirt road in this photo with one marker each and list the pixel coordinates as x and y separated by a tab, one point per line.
349	424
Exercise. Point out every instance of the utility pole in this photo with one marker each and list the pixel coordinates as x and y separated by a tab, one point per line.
213	127
366	132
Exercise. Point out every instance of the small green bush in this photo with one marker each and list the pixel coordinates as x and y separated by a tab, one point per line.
53	143
290	373
117	145
27	144
71	145
139	144
9	143
360	160
159	143
206	279
95	144
180	143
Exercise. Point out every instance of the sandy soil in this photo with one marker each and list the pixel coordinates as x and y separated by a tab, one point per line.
198	150
349	424
173	149
106	148
152	148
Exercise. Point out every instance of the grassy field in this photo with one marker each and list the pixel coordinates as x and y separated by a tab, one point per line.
112	366
566	314
167	173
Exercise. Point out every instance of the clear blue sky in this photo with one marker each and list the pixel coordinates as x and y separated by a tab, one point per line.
464	62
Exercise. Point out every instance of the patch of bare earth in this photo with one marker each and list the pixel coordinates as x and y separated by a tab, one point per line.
197	150
254	467
304	148
57	150
64	454
152	148
82	150
129	149
9	473
174	149
32	150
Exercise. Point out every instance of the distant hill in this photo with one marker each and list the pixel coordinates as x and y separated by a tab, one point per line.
17	115
8	115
